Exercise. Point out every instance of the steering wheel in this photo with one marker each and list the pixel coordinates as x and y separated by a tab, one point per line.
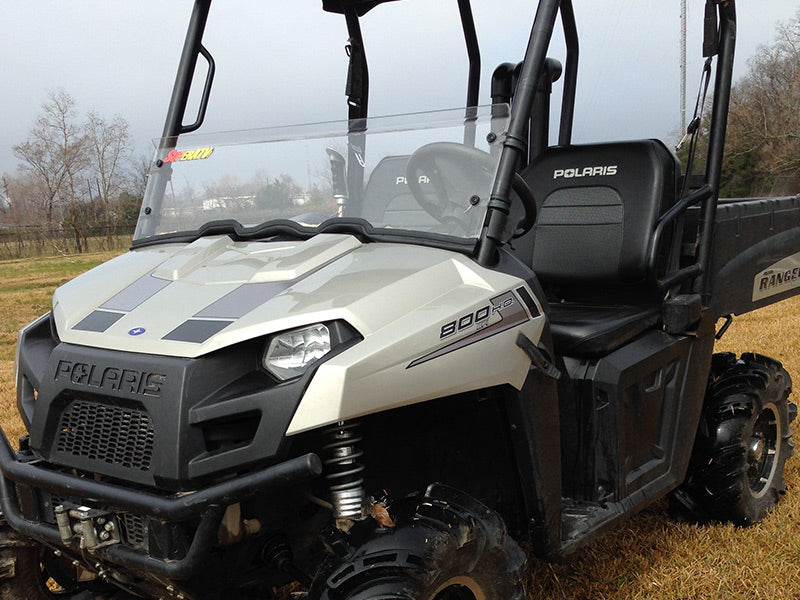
451	167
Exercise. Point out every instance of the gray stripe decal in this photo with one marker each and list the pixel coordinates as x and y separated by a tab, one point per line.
196	331
136	293
237	303
98	321
510	316
249	296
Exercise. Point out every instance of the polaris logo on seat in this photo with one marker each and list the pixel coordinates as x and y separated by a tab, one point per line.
401	180
585	172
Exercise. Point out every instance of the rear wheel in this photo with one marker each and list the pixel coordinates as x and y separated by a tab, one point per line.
744	439
447	547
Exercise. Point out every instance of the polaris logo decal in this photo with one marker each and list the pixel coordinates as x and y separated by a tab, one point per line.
599	171
111	379
136	331
780	277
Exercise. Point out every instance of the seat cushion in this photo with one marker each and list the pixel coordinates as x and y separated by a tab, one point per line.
590	330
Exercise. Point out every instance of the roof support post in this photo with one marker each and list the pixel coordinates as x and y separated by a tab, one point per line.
515	144
716	139
183	81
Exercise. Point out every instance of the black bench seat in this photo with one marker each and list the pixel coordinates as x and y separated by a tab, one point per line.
586	330
598	206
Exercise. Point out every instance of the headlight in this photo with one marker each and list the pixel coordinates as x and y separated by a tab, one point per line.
289	354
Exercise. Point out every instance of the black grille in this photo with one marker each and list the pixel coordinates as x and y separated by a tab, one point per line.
134	528
112	434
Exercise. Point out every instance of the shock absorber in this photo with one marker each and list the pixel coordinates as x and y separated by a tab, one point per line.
343	471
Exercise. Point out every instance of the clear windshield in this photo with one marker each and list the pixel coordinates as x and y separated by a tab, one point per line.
420	172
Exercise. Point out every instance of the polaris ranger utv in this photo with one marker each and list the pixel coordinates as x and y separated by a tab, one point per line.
370	384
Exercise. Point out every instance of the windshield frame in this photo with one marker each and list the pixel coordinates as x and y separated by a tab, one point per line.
279	230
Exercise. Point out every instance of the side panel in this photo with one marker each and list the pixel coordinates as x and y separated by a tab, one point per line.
535	433
627	405
635	413
756	255
628	422
427	354
647	380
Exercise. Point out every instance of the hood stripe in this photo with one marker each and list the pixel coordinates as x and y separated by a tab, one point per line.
249	296
136	293
98	321
125	301
208	321
196	331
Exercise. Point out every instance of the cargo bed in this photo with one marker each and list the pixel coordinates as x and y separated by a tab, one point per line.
755	260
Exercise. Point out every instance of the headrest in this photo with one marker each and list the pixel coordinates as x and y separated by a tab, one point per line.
597	207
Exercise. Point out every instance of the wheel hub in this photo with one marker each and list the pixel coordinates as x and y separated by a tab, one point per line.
757	450
762	451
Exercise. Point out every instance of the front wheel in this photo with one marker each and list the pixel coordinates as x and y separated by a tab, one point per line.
448	546
23	571
744	439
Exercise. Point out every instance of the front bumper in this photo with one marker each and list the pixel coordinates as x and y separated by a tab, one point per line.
19	474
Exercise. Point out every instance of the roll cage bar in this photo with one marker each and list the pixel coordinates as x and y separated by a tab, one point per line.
720	41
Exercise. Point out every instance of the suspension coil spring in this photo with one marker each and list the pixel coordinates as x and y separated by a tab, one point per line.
343	471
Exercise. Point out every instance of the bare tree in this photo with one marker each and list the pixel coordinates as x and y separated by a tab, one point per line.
54	155
109	146
24	213
763	145
138	174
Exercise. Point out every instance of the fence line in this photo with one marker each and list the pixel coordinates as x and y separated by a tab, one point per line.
25	241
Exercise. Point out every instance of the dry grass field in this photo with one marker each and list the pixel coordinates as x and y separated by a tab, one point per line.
652	557
26	287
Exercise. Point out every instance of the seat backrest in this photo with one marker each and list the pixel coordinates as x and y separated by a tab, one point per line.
387	198
597	208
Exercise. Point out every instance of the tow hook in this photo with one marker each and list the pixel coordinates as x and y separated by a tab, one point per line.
93	528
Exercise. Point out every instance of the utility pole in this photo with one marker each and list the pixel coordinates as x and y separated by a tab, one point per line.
6	197
683	67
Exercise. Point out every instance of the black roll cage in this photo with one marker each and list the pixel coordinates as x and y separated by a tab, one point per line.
515	147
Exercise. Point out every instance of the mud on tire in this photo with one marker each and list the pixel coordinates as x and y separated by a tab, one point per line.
448	546
26	567
21	573
743	440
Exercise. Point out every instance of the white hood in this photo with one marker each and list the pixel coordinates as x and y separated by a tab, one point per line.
187	300
421	311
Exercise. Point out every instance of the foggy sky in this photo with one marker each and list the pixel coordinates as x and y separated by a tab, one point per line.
284	62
